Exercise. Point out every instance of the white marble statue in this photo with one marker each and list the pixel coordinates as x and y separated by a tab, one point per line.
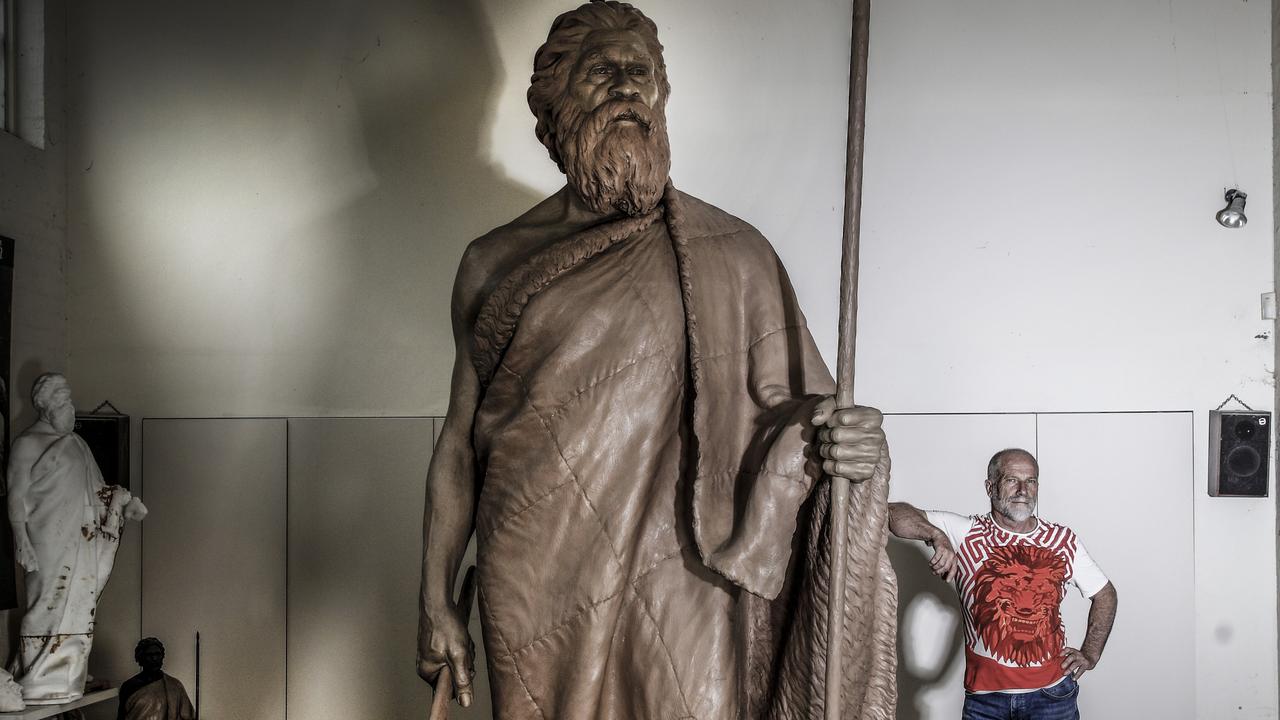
66	528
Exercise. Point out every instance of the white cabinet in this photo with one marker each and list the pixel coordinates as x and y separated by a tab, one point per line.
213	559
293	547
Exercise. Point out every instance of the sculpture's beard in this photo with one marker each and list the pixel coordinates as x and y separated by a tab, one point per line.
617	156
63	418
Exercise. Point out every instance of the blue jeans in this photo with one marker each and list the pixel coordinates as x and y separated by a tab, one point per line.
1051	703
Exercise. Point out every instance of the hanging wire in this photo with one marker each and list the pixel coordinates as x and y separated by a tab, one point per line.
1231	397
106	404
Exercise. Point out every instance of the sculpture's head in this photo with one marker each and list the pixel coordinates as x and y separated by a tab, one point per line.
1013	484
599	90
51	396
149	653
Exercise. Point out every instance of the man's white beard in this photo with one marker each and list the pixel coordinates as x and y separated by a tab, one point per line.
1016	512
614	165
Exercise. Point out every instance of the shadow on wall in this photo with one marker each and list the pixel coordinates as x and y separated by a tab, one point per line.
269	201
917	675
424	108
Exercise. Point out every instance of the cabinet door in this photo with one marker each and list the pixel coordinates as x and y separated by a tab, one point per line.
1124	482
213	559
356	493
939	463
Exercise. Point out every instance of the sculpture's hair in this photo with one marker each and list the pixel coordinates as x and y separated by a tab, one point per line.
993	467
554	60
43	389
143	645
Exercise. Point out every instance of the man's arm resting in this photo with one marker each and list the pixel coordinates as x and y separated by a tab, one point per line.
909	523
1102	615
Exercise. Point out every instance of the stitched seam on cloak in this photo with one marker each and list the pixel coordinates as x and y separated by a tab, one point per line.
663	349
504	521
554	412
617	557
515	666
500	313
727	234
584	609
653	316
756	341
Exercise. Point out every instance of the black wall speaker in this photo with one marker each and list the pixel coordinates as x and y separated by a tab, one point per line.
1239	452
107	436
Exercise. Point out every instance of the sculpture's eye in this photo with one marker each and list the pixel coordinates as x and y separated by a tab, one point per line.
600	69
638	70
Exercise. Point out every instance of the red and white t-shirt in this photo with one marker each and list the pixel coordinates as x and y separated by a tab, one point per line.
1012	586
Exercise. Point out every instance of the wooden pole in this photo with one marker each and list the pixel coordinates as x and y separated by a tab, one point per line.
845	348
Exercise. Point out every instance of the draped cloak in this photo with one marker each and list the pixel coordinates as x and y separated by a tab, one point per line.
161	699
74	521
647	386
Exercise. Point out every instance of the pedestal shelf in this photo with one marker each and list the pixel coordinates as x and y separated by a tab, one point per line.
36	712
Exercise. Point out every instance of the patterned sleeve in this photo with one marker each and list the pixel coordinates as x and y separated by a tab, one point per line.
1085	573
956	527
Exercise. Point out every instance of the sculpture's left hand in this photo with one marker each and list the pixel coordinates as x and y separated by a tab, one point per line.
850	440
135	510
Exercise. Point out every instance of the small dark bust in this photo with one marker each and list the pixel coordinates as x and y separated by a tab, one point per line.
151	694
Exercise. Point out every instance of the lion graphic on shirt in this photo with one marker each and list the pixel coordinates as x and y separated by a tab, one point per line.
1016	595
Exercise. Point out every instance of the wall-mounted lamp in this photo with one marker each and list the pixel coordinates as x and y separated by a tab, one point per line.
1232	216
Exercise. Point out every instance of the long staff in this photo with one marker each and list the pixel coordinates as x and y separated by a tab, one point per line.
845	348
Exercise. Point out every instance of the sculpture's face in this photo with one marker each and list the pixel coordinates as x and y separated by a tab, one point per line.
152	658
613	64
1015	492
611	133
60	413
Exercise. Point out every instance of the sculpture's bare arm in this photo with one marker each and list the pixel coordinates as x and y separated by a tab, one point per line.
449	517
22	456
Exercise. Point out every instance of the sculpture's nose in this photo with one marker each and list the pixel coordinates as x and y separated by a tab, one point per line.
625	88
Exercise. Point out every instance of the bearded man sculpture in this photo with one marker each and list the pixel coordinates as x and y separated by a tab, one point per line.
638	423
66	527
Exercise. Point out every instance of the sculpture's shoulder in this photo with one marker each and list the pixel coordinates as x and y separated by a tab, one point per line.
518	237
490	257
31	443
701	223
175	682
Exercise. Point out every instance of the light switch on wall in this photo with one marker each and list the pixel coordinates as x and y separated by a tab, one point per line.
1269	306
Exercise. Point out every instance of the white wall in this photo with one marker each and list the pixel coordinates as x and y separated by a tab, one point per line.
266	204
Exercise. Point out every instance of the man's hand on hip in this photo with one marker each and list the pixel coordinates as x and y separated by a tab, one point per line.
1077	663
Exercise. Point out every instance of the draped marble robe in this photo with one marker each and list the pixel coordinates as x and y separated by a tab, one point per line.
74	523
647	389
